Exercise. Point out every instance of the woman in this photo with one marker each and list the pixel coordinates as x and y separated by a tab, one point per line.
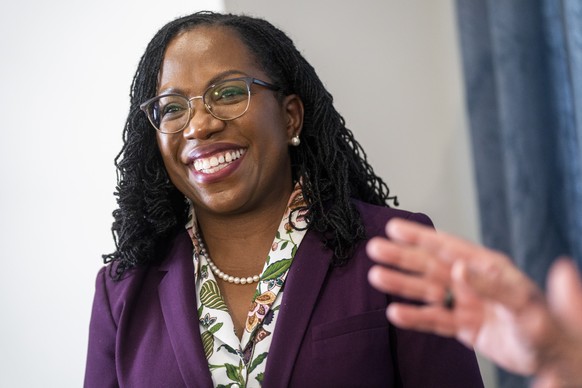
239	183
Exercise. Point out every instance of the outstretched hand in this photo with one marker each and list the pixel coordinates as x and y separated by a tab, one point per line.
497	309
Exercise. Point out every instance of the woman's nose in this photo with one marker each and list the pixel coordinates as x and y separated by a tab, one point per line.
202	125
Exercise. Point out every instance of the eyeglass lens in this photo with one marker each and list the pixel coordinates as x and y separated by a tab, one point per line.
225	100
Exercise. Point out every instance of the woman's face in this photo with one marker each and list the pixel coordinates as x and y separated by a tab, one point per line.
254	149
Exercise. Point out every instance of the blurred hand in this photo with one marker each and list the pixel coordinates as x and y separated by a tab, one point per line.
498	310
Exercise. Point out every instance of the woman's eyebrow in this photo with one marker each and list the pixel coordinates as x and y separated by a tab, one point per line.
218	77
224	75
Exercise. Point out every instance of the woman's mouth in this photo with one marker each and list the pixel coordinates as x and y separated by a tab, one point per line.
217	162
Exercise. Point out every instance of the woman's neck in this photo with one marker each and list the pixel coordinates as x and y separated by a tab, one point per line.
239	243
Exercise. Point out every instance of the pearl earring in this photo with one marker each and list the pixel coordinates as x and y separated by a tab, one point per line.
295	141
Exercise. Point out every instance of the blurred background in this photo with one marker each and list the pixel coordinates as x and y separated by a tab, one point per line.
394	68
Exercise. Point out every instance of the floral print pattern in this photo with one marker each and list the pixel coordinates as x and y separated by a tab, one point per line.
241	363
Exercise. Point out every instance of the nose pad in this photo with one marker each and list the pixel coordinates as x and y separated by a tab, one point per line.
202	124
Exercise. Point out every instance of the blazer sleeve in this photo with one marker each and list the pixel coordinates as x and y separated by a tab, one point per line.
100	368
421	218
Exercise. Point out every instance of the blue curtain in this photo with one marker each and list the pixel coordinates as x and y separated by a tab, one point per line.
522	62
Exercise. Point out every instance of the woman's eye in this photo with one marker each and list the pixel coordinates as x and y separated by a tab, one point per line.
172	109
229	94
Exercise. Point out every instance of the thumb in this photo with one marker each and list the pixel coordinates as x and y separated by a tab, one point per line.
565	293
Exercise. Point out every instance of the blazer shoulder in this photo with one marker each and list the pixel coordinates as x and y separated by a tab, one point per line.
113	294
118	292
375	217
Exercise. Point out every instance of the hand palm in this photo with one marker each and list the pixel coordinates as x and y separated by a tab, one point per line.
507	336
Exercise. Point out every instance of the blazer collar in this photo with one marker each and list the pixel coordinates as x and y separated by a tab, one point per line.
310	266
177	295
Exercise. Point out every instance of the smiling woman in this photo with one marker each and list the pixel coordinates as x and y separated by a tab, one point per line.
244	206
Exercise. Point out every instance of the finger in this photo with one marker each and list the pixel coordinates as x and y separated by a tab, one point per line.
406	285
443	245
470	307
409	259
383	251
430	319
565	293
549	380
464	292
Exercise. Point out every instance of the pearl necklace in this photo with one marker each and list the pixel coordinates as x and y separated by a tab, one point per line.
216	271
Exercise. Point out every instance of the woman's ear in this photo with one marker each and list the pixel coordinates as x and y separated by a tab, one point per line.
293	109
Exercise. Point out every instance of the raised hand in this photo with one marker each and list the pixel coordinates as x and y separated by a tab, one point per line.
497	309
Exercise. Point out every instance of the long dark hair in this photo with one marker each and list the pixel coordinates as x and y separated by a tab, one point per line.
332	164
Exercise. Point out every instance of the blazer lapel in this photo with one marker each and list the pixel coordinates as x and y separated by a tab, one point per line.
305	278
178	300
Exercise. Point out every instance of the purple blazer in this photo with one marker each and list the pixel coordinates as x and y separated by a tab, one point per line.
332	329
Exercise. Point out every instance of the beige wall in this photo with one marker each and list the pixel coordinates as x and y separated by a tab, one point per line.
394	70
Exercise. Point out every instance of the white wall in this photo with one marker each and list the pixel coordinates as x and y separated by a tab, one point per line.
65	71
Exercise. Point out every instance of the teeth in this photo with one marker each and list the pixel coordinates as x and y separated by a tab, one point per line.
217	162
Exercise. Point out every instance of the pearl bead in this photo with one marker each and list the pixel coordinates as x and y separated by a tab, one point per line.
217	272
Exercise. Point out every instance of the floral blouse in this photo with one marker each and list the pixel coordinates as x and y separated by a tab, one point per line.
234	362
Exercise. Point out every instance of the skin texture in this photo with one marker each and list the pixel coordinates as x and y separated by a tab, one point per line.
240	207
498	310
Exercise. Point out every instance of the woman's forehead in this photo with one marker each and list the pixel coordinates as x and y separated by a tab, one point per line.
197	56
208	40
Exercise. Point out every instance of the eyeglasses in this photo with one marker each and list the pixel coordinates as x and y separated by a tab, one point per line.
225	100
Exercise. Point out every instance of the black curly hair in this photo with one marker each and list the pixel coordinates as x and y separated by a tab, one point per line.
332	164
